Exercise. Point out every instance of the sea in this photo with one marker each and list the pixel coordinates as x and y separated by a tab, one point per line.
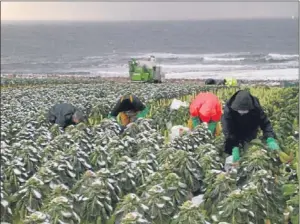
244	49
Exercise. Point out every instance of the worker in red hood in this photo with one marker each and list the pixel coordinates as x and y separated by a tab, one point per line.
207	108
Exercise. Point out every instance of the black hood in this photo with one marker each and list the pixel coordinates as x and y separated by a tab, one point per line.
242	100
127	105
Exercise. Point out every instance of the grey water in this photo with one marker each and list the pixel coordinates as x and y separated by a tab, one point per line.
182	48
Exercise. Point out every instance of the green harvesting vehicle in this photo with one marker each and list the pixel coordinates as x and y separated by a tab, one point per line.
145	71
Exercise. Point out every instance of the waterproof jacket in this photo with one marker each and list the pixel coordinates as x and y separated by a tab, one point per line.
210	82
239	129
61	114
231	82
127	103
207	107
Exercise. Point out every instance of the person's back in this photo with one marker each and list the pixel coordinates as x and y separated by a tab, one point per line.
65	114
127	103
207	108
128	108
206	105
210	82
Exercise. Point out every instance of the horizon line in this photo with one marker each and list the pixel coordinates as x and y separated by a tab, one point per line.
150	20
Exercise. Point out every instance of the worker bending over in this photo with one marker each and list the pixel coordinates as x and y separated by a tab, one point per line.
207	108
128	109
65	114
229	82
242	117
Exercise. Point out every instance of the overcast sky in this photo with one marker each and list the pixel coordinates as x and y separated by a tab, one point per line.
103	11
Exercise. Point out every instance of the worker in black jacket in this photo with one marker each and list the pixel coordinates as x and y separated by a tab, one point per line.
65	114
242	117
129	108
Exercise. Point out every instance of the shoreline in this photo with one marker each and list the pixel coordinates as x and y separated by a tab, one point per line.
127	79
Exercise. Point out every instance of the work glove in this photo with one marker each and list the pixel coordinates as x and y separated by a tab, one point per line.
110	116
235	154
143	113
272	144
113	118
195	121
122	128
212	126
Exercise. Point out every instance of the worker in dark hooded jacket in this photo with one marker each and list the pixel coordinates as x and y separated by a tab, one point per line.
242	117
65	114
230	82
128	108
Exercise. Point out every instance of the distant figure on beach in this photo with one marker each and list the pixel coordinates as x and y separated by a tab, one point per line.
65	114
128	108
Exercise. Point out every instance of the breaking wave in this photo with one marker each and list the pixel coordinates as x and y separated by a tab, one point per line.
225	57
282	57
173	65
187	56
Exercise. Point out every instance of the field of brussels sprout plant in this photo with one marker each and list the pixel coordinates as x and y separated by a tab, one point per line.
94	174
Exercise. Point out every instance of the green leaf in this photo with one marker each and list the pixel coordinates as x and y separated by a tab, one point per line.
289	189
